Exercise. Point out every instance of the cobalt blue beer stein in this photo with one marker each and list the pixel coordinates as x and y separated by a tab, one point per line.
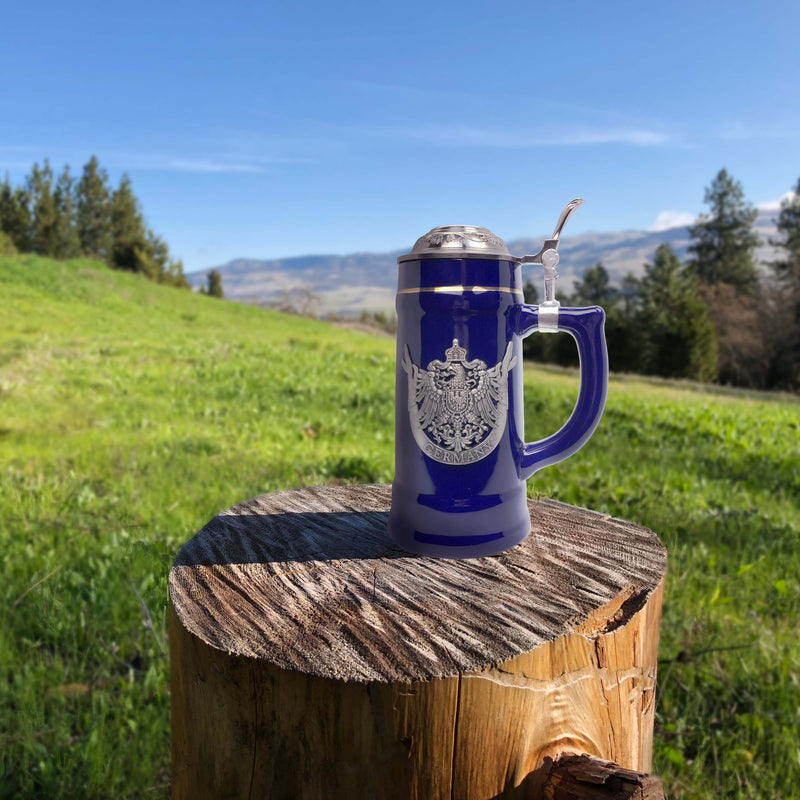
461	459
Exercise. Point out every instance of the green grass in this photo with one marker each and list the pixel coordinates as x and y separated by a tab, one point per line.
131	413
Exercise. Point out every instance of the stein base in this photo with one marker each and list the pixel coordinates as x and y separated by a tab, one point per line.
454	539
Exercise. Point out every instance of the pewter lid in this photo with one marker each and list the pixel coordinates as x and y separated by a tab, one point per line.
459	241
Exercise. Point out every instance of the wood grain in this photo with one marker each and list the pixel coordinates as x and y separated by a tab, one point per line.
309	581
311	658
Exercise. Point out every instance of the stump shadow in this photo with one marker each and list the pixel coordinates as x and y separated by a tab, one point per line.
531	788
291	537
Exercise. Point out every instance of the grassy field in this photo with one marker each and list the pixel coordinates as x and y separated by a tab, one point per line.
131	413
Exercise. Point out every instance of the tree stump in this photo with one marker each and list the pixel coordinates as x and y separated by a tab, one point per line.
313	658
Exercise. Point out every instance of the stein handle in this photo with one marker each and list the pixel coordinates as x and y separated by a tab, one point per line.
586	326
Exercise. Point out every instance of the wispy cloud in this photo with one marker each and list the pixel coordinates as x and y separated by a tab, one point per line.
775	205
464	97
197	165
671	219
220	163
463	136
740	131
204	161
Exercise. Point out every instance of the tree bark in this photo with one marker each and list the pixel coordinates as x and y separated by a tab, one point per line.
313	658
573	777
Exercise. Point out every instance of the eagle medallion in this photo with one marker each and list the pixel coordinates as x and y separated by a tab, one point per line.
457	407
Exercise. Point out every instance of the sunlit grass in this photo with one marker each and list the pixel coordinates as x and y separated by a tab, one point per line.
131	413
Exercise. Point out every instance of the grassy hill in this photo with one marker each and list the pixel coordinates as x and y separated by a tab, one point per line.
130	413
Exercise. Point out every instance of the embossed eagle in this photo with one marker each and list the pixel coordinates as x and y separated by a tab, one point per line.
458	404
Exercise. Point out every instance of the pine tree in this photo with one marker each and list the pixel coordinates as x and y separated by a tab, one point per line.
677	336
723	242
215	284
787	269
15	215
44	233
629	294
7	247
159	254
623	346
66	241
175	276
595	288
130	248
784	333
168	270
92	211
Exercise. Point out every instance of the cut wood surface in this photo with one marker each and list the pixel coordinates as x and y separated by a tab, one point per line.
311	657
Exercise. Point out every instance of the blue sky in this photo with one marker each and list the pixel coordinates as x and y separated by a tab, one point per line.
271	129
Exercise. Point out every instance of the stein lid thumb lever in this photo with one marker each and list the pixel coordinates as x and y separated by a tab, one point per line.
548	258
551	243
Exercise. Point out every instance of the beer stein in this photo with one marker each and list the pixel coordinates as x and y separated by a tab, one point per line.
461	459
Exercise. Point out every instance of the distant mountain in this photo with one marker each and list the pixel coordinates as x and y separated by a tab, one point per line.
367	281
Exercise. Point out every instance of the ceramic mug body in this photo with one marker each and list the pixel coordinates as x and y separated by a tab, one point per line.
461	461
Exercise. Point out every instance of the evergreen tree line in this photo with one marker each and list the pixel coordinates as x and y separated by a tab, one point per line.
66	217
714	317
